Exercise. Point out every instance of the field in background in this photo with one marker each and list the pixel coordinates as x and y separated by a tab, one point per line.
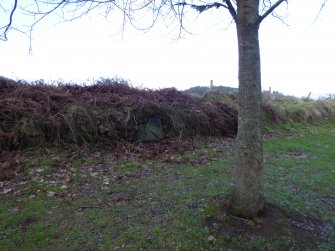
284	110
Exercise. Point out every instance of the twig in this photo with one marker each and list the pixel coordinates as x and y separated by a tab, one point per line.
239	218
87	207
8	26
270	10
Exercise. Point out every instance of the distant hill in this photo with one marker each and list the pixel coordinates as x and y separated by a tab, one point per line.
201	90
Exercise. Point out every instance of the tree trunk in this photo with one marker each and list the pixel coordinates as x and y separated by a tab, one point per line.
247	199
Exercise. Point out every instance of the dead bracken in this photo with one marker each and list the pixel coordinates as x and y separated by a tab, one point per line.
109	111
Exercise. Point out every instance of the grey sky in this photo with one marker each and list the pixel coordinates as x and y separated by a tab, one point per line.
296	59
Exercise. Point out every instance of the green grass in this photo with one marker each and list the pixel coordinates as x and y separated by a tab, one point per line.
301	170
157	204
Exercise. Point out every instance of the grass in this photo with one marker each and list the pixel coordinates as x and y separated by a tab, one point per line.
101	203
293	111
284	111
302	165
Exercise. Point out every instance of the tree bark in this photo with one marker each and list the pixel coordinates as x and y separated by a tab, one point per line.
247	199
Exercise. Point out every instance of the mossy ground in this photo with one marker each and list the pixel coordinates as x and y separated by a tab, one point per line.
85	198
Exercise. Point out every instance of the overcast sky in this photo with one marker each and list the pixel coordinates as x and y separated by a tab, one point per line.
297	57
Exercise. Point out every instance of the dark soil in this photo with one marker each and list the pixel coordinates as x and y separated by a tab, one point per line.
302	231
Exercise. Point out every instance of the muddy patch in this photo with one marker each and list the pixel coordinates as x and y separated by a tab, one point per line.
299	230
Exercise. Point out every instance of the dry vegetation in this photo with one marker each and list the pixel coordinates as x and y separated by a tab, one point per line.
285	109
111	111
298	110
108	111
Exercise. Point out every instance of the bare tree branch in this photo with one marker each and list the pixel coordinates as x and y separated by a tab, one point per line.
204	7
231	9
280	18
320	10
70	10
39	19
270	10
133	11
8	26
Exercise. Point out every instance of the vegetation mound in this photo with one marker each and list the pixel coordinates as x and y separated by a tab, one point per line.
279	109
108	111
